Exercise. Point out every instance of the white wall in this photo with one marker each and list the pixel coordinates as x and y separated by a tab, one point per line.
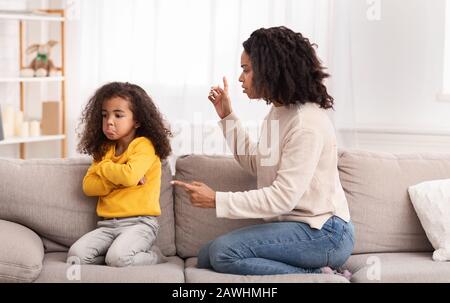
395	76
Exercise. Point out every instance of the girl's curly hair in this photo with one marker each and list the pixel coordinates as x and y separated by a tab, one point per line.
286	68
152	125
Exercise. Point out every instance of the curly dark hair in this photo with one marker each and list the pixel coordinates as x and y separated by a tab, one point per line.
152	125
286	68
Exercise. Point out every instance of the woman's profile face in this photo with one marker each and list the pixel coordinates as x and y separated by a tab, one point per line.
246	76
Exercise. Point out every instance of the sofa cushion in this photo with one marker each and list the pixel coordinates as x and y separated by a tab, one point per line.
166	237
21	253
197	275
431	201
46	195
56	270
397	268
195	226
376	185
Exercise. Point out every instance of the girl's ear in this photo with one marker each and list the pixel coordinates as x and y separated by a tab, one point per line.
137	125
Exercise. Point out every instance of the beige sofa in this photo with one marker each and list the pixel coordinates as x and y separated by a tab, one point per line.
43	211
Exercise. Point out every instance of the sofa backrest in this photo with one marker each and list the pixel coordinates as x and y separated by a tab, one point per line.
196	226
46	196
376	185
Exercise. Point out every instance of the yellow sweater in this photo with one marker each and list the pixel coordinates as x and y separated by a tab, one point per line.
115	180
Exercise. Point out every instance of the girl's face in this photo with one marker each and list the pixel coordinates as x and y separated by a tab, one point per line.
246	76
118	120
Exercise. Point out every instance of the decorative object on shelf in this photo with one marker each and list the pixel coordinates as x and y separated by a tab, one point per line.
8	121
42	65
13	124
51	118
27	72
18	120
29	129
35	128
24	130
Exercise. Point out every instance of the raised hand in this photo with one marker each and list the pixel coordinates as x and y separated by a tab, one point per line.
221	99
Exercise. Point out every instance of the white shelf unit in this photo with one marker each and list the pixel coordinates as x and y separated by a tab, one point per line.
34	79
19	140
5	15
50	16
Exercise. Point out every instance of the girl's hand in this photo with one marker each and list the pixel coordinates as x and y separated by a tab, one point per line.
201	195
220	99
142	181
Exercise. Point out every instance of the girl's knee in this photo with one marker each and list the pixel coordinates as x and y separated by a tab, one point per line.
80	255
73	256
121	261
117	259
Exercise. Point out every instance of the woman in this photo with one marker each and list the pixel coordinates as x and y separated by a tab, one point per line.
299	194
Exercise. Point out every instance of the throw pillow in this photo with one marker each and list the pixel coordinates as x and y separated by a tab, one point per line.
431	200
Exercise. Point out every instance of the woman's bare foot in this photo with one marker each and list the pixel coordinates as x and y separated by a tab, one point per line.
341	272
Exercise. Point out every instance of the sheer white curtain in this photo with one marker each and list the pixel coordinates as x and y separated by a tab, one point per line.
177	49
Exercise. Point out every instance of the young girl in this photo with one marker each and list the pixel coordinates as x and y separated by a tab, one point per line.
125	134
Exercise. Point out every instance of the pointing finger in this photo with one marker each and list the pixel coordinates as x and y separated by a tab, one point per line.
225	83
186	186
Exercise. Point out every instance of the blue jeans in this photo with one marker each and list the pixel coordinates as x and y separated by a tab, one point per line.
280	248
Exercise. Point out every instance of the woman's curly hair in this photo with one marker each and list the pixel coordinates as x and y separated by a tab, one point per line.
152	125
286	68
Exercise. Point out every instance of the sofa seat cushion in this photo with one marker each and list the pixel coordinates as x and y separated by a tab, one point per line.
397	268
197	275
21	253
56	270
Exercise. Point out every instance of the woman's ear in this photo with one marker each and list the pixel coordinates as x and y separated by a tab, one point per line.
137	125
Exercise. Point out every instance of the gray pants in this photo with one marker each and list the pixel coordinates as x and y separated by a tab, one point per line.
120	242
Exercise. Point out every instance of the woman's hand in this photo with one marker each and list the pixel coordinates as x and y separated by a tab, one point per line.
201	195
220	99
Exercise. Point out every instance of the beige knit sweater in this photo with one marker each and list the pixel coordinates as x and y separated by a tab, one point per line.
295	162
